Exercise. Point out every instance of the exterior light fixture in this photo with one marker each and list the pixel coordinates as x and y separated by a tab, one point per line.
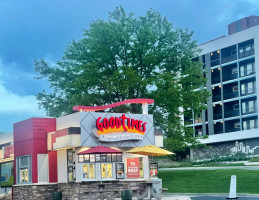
213	88
212	70
219	68
221	121
220	86
211	54
218	51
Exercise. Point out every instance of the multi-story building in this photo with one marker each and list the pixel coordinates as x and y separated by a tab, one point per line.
232	70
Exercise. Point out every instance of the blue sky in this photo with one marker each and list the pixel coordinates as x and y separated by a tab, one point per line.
34	29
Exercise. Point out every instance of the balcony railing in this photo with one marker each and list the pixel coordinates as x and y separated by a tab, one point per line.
217	116
251	91
232	130
232	113
216	98
246	53
218	131
215	80
214	62
229	58
229	77
230	95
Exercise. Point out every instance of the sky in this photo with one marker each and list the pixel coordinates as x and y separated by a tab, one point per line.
36	29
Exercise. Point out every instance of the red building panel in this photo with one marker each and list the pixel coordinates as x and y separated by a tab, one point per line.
30	138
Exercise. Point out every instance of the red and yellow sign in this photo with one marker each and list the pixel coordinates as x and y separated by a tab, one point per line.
120	124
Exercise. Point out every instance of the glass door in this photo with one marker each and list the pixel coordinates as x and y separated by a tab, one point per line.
106	170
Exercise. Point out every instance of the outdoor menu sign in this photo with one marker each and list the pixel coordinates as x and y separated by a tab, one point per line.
7	175
132	167
120	174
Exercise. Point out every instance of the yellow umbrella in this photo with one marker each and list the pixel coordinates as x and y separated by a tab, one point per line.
150	150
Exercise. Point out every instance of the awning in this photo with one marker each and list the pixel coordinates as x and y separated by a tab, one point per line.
150	150
99	149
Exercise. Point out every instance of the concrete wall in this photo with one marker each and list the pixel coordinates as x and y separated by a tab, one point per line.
74	190
248	147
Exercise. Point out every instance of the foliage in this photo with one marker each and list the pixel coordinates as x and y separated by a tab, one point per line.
130	57
254	159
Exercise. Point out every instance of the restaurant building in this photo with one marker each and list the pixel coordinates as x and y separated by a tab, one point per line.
73	154
6	162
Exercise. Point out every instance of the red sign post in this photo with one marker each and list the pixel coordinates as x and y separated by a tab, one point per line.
132	167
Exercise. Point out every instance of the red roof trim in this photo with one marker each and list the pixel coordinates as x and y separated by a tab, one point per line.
96	108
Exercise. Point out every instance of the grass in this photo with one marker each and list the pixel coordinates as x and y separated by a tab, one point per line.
209	181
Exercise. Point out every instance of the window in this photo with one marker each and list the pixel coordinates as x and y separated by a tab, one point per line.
248	47
247	69
237	125
233	52
242	70
249	107
244	107
244	125
236	106
234	70
106	170
250	123
88	171
23	169
235	88
248	88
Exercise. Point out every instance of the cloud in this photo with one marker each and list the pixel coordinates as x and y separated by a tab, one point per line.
14	103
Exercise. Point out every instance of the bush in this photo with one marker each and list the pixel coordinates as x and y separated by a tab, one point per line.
254	159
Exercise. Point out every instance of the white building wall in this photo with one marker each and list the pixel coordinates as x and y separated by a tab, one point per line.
72	120
62	166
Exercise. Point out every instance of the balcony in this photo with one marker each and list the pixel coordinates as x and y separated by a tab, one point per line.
232	113
232	125
216	98
229	58
248	87
230	95
229	54
246	53
218	127
215	80
214	62
230	77
217	116
246	49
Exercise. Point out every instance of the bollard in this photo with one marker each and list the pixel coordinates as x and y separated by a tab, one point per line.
233	188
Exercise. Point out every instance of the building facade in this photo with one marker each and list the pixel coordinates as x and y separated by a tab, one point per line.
232	70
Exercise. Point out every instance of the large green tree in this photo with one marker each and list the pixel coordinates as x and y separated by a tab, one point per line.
129	57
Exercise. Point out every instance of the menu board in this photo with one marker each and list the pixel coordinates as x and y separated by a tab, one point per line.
132	167
120	174
7	175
